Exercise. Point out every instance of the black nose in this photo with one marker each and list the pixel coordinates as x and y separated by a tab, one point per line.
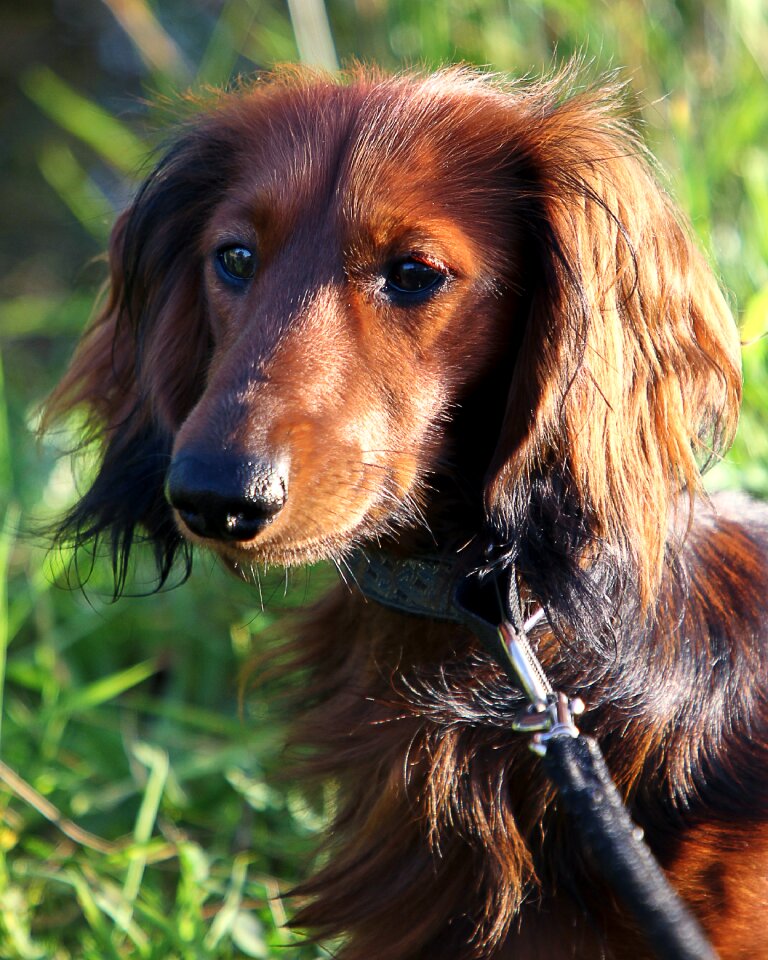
225	498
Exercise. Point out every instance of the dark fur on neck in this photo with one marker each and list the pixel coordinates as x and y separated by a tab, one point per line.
445	824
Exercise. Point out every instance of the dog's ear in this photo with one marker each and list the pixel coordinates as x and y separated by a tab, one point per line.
141	365
628	376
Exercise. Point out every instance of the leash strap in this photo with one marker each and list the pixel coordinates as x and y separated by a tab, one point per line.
575	764
577	768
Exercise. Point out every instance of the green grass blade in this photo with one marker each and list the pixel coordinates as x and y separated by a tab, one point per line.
34	314
66	176
84	119
92	912
100	691
157	763
313	33
159	51
9	521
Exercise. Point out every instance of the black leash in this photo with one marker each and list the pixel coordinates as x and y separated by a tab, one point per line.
572	761
577	768
575	764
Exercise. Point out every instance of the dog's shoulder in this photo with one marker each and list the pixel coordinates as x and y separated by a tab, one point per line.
736	507
729	537
725	559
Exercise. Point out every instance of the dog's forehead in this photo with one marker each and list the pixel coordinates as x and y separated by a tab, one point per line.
361	152
401	116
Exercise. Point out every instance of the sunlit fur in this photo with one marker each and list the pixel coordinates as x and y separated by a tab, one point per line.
562	389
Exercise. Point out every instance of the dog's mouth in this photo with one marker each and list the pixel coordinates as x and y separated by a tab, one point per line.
254	514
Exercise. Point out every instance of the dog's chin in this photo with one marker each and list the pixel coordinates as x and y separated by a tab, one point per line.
240	559
266	550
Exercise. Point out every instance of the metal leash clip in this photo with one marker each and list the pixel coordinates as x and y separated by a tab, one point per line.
549	713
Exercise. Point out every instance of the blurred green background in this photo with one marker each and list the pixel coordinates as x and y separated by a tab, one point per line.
141	813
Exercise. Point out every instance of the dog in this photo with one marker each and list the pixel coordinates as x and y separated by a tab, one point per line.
446	323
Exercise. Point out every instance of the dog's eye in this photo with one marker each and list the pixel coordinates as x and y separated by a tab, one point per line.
412	276
236	263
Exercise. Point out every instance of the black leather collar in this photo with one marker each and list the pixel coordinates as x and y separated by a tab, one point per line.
442	588
424	585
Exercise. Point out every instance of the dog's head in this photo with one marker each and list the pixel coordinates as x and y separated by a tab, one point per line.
332	302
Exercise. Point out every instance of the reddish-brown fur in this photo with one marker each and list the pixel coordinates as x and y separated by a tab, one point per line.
560	388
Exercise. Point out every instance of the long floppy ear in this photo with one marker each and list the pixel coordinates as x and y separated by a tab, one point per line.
628	376
141	365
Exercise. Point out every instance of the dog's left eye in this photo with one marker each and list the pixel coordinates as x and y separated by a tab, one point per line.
411	276
236	263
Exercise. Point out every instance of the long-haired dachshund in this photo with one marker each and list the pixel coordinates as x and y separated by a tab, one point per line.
415	322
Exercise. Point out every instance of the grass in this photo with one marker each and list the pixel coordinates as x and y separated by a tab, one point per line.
140	812
143	812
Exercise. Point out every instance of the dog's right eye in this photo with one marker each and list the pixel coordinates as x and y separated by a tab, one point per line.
236	264
412	278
